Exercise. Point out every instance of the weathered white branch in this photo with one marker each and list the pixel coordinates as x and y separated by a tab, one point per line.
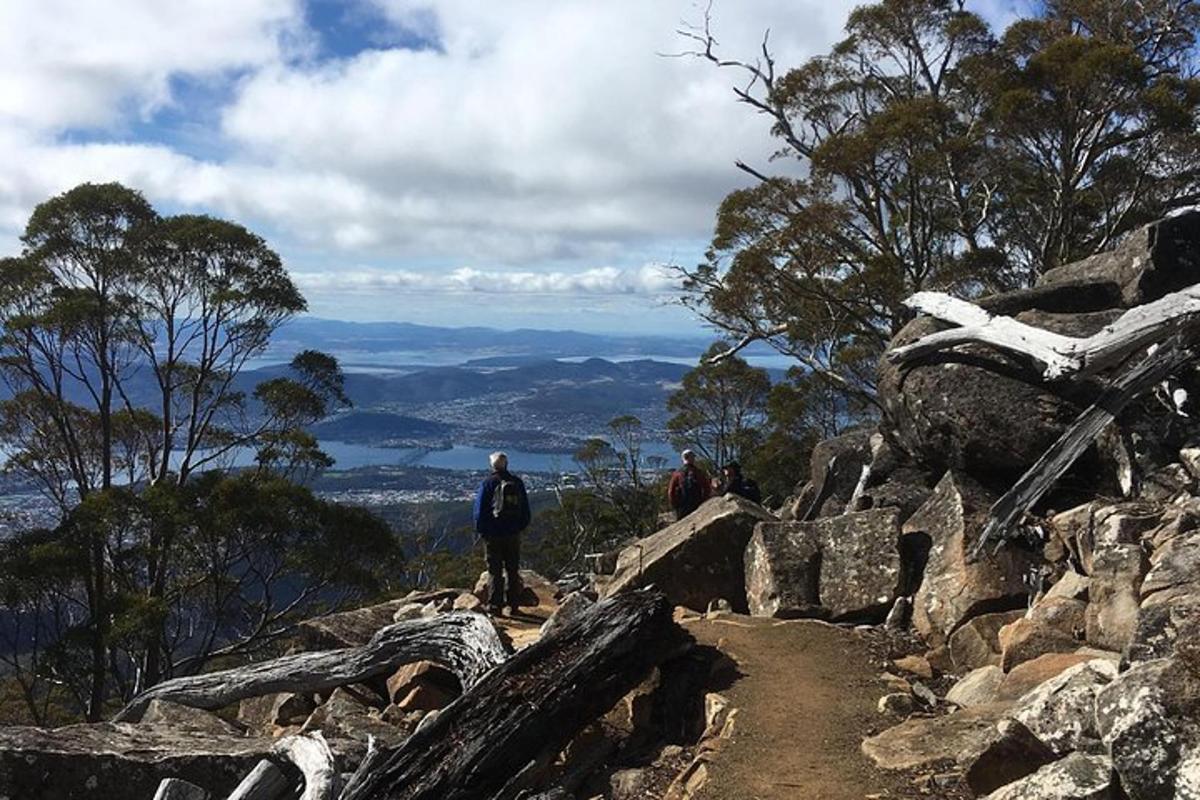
1057	356
176	789
265	782
311	754
746	341
465	643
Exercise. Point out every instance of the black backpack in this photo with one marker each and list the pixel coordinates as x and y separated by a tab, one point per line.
691	489
506	499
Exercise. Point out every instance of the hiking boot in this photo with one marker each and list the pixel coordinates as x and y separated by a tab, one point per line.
495	611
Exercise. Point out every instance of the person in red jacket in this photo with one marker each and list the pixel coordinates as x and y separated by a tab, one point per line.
689	487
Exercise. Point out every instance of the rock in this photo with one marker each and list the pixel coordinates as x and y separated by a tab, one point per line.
121	760
422	674
939	658
1112	611
899	703
535	590
895	683
1031	674
163	712
353	714
924	694
860	563
1151	262
1164	620
915	665
628	784
897	619
1190	458
697	559
954	589
782	564
346	628
852	451
716	712
568	610
1175	563
1079	776
977	688
265	713
971	411
1166	483
1094	526
977	642
425	697
1052	626
1062	711
1013	754
467	602
1149	718
718	606
927	741
1071	586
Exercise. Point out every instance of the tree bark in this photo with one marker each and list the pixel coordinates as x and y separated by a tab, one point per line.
465	643
532	704
1056	356
311	754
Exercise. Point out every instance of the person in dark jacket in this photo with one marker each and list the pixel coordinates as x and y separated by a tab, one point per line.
737	483
689	486
501	512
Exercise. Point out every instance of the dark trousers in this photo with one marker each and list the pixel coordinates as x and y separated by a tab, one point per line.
504	558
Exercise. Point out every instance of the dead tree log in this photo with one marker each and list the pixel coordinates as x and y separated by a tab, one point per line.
465	643
311	754
533	703
1016	502
176	789
1055	355
265	782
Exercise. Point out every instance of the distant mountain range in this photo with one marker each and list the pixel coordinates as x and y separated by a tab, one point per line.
389	337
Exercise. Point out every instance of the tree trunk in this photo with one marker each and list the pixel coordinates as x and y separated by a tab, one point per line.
532	704
465	643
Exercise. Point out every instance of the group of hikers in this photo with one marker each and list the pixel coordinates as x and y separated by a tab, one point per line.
502	511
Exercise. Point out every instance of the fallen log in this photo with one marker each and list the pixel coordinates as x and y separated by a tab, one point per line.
532	704
311	754
1055	355
175	789
1031	486
265	782
465	643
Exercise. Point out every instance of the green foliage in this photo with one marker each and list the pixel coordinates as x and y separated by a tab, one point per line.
932	154
718	409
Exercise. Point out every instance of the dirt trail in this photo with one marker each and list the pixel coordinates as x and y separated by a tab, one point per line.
806	697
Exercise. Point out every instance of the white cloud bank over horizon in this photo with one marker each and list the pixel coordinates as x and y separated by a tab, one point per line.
517	143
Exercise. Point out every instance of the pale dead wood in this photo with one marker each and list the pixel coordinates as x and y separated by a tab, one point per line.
1056	356
1015	503
311	754
465	643
265	782
176	789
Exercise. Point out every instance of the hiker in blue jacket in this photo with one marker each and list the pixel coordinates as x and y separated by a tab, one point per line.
501	513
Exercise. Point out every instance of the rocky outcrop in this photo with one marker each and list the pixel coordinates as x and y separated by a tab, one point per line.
1054	625
121	760
923	742
1079	776
955	589
695	561
1010	756
976	643
1062	711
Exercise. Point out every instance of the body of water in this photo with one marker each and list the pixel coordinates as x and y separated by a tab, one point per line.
465	457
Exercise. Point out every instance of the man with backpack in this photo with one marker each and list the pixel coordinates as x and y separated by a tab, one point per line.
689	486
501	513
739	484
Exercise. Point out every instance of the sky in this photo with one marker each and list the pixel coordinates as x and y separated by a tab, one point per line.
460	162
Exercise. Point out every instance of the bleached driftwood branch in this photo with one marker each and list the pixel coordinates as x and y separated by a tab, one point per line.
311	754
1008	510
1056	355
465	643
265	782
746	341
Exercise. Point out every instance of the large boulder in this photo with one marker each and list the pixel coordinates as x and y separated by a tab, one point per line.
695	561
121	761
861	570
1149	718
1062	711
1028	676
836	465
976	643
977	688
955	589
848	567
1054	625
1112	611
1176	563
782	565
1165	620
927	741
1013	754
1079	776
1150	262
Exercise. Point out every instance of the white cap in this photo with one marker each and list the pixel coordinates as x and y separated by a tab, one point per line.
498	460
687	453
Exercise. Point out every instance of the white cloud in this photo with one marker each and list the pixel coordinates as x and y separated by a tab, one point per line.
650	280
